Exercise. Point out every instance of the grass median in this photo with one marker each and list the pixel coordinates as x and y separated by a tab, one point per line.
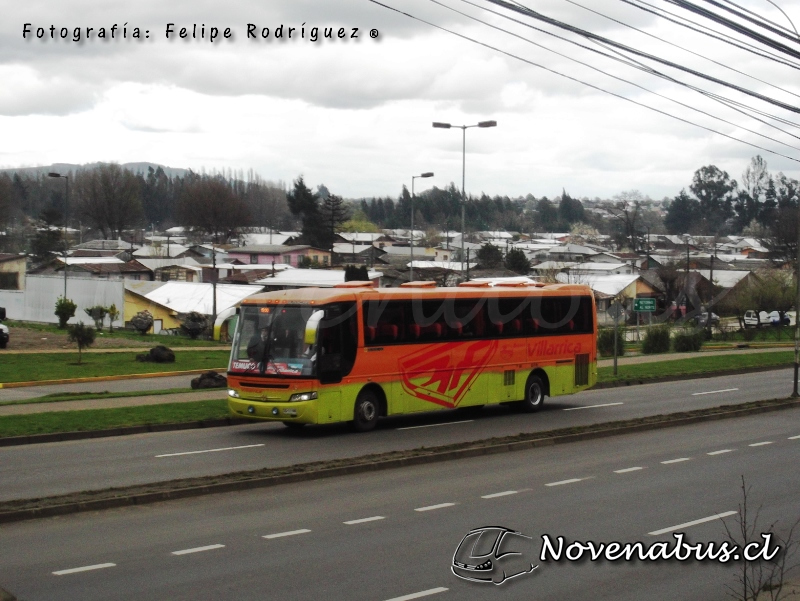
699	365
167	413
60	366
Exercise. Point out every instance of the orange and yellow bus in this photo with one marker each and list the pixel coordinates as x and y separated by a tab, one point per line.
355	353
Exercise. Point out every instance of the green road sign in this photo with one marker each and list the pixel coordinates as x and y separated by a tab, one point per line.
647	305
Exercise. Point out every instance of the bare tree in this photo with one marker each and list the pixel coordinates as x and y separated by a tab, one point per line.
626	208
762	578
108	197
210	204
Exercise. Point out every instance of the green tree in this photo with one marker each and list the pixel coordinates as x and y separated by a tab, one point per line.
489	256
517	262
98	314
113	314
713	188
570	210
356	274
359	222
305	204
81	335
65	310
334	213
682	214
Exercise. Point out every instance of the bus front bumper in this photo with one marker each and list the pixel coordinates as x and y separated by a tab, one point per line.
303	412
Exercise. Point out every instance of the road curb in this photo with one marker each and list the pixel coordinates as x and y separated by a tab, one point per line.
180	489
160	374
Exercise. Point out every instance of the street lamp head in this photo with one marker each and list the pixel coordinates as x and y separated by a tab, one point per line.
427	174
54	175
442	125
487	124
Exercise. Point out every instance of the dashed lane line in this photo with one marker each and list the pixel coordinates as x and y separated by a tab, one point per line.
570	481
500	494
249	446
592	406
760	444
289	533
419	595
433	507
465	421
197	549
715	391
721	452
98	566
716	516
374	518
679	460
628	469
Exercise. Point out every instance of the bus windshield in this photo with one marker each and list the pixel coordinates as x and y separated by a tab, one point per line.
276	340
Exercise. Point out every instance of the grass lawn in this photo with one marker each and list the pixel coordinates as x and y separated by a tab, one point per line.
57	366
694	366
103	419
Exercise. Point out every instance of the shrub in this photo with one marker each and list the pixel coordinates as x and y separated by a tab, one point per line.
98	314
81	335
689	341
605	342
656	340
142	322
65	309
113	313
194	324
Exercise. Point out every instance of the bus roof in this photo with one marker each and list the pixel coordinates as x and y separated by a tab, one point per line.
352	291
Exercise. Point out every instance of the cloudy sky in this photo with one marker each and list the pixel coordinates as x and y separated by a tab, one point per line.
356	114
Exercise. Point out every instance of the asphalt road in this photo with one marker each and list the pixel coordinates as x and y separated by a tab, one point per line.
57	468
392	535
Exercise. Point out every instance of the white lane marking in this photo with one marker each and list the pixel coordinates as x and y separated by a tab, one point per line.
98	566
363	520
289	533
432	507
760	444
198	549
592	406
249	446
720	452
570	481
430	591
628	469
710	518
500	494
714	391
466	421
793	437
676	460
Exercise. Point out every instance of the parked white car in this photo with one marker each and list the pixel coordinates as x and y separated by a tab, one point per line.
772	318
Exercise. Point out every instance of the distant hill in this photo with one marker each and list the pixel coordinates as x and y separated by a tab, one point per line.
140	167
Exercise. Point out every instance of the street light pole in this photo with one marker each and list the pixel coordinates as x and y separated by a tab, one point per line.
413	177
66	215
795	391
464	168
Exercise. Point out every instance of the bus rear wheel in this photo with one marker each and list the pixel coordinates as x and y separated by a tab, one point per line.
365	412
534	395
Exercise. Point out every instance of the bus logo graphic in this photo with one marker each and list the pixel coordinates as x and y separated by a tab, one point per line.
443	373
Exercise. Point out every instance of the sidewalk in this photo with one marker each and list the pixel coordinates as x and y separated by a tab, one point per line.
636	359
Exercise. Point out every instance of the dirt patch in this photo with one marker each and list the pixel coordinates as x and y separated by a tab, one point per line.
29	339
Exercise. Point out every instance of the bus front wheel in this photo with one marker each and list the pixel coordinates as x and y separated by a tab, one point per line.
365	413
534	395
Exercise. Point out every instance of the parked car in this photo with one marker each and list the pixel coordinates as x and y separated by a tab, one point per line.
702	319
754	320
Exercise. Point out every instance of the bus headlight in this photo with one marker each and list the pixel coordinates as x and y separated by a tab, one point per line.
302	396
233	393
